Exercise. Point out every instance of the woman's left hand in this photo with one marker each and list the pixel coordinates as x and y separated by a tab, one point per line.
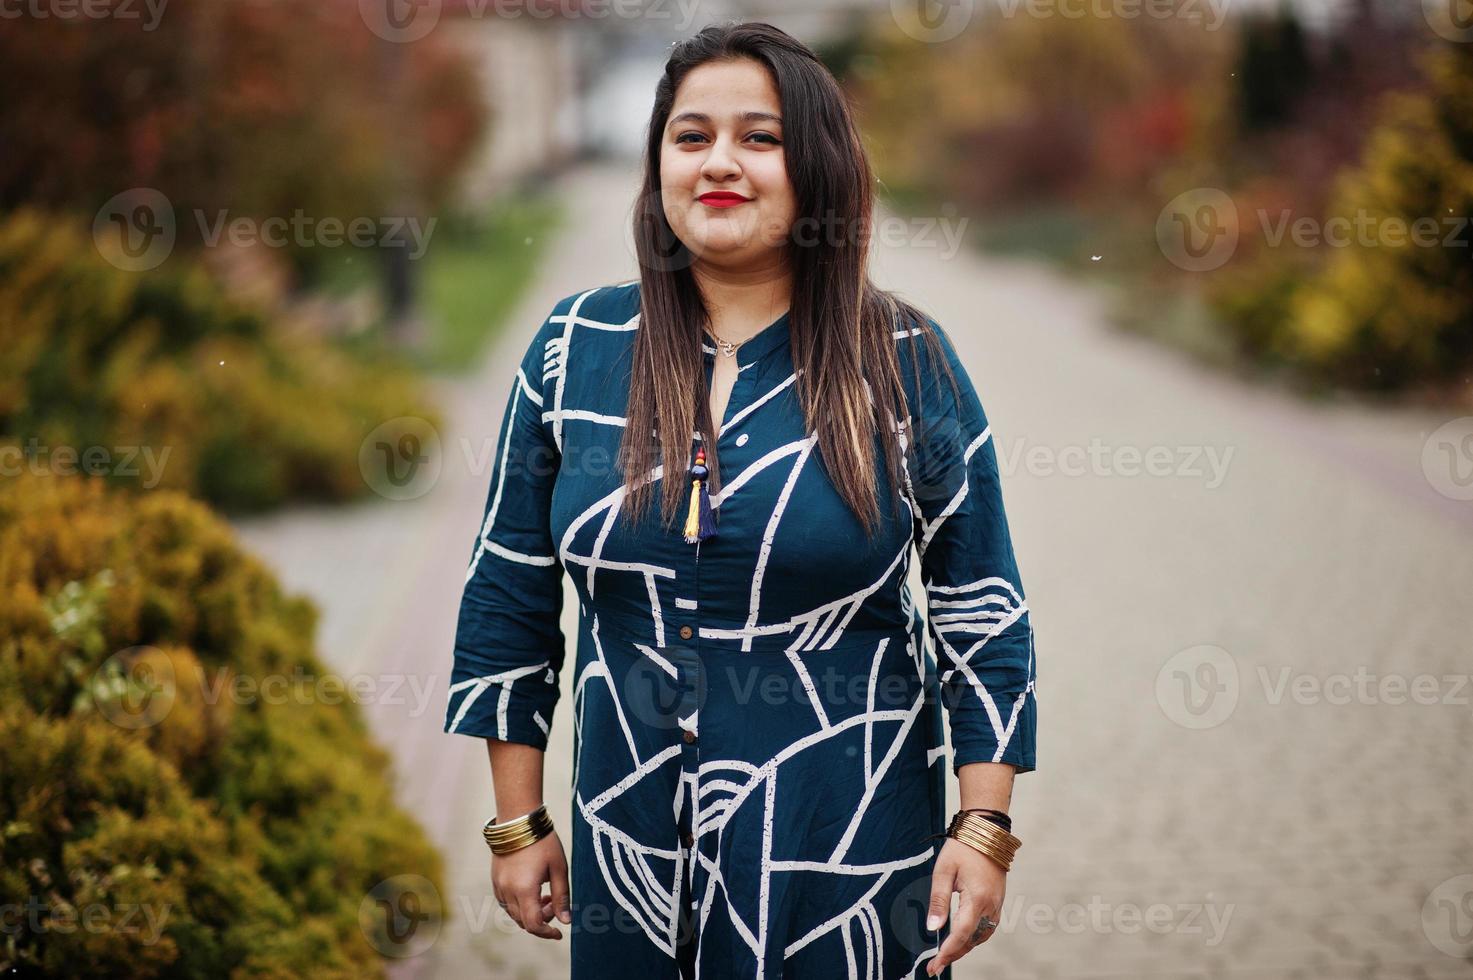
982	883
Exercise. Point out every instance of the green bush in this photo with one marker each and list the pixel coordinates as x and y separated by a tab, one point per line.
1252	297
250	829
250	414
1389	315
1383	312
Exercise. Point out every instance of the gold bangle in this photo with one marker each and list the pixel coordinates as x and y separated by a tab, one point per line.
985	836
503	838
989	839
999	843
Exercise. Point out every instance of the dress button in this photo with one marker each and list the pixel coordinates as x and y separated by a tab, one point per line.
689	736
685	632
687	838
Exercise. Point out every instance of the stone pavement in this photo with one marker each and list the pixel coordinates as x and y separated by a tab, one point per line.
1253	635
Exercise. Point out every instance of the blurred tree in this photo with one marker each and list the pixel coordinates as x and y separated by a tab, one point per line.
1396	306
1273	68
1027	110
231	110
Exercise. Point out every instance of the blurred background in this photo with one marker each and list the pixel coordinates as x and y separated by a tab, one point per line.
266	270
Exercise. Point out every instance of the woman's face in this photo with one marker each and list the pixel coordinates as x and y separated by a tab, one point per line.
725	137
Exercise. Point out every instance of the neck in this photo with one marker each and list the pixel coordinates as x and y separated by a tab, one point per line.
741	303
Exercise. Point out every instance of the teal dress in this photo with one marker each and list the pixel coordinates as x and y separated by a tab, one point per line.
759	755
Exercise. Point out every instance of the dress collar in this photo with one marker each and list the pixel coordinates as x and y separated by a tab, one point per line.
761	343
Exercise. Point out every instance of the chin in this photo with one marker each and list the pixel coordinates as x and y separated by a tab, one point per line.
723	246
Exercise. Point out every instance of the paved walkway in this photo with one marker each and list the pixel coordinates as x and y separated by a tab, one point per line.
1231	782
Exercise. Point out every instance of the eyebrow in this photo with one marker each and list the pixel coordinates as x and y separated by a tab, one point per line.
750	115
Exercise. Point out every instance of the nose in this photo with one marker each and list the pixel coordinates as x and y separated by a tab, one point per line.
720	164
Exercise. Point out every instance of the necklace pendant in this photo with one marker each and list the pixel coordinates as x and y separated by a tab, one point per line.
727	347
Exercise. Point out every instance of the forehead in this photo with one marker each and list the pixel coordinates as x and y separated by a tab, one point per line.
721	89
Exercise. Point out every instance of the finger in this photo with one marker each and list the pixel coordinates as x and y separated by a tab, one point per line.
560	891
532	920
510	906
500	893
957	943
985	931
942	881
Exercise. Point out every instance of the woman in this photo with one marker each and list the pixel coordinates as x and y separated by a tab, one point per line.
759	768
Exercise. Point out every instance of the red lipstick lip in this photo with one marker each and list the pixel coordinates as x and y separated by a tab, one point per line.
722	199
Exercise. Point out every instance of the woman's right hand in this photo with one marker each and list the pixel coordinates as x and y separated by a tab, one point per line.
517	879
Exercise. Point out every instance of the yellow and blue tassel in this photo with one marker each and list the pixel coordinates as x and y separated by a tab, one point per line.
700	523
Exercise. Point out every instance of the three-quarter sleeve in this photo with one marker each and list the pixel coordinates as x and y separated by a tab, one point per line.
977	612
508	638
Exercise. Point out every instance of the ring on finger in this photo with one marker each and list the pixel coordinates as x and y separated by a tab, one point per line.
983	925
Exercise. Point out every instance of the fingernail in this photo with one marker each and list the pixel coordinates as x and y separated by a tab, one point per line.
565	917
933	922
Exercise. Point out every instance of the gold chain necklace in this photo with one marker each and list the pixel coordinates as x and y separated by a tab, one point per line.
727	347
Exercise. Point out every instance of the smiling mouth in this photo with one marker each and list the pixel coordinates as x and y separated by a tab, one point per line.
722	200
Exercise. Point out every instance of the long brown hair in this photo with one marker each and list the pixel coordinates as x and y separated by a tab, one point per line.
841	325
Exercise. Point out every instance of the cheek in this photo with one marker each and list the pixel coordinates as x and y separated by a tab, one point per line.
775	191
679	168
678	177
778	215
